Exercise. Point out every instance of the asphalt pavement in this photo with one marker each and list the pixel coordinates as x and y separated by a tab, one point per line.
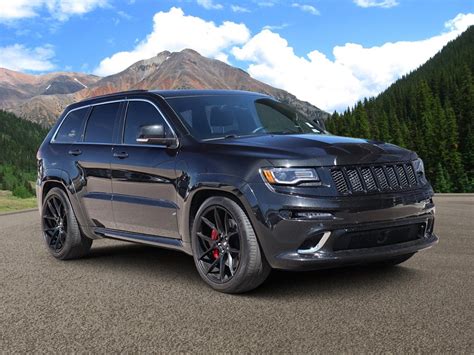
132	298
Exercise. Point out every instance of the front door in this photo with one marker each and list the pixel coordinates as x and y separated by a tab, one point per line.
144	177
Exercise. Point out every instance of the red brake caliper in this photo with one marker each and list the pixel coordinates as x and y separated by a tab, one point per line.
215	236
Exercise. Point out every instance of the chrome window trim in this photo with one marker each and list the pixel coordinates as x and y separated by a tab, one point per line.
162	116
53	139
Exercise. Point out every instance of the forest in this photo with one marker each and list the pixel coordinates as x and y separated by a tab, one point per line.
19	141
430	111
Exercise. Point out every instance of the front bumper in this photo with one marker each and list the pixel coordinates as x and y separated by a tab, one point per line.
342	231
326	256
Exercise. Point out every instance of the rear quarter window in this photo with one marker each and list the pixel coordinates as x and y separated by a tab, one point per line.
72	128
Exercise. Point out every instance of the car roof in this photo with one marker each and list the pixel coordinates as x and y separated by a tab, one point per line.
169	94
166	94
196	92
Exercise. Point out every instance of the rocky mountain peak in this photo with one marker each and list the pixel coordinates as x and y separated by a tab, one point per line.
186	69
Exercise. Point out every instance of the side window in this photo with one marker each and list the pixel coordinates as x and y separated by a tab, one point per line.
72	127
100	126
140	113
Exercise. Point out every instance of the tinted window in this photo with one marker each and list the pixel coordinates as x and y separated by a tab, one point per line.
215	116
72	127
140	113
274	120
100	127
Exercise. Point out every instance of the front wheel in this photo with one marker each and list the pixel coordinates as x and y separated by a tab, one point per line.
61	231
225	248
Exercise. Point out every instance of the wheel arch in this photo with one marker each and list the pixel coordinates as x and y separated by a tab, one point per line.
51	178
49	185
58	178
242	195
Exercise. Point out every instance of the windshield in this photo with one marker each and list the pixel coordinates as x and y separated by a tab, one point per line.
219	116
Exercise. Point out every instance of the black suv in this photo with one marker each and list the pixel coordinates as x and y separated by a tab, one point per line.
238	180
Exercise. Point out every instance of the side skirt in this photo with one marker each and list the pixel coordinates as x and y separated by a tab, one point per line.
156	241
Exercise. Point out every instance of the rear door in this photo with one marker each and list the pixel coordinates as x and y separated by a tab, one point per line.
144	176
92	157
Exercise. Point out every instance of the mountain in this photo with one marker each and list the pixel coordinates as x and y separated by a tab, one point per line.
15	86
43	103
431	111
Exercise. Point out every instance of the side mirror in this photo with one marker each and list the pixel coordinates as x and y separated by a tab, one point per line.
155	134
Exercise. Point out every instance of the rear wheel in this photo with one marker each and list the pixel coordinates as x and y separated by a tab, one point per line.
60	228
225	248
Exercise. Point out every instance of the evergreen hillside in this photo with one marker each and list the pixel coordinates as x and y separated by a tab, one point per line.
19	141
431	111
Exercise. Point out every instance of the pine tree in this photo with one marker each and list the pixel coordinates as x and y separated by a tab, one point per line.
441	181
361	122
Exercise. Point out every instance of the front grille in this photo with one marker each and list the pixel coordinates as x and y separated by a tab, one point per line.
381	178
411	174
369	179
387	177
354	180
379	237
339	181
392	177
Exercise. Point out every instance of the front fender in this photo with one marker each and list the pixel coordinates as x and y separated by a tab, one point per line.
218	184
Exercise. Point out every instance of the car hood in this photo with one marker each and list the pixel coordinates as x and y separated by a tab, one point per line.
316	150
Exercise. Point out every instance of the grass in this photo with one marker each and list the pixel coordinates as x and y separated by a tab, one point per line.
10	203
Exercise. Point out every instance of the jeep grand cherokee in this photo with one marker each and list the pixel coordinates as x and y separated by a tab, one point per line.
238	180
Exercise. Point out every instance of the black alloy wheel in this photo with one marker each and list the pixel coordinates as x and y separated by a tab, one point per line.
55	223
219	244
225	247
61	230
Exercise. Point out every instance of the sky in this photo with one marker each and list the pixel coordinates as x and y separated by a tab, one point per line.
331	53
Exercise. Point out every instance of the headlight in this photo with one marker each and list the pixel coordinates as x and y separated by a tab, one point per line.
419	167
289	176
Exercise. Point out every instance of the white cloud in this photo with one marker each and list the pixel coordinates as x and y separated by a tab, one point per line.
11	10
20	58
315	78
376	3
237	8
275	27
460	23
210	5
355	72
203	36
306	8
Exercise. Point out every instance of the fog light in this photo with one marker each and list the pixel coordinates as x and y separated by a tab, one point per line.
312	215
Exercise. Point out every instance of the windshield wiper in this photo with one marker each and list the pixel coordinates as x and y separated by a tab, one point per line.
285	132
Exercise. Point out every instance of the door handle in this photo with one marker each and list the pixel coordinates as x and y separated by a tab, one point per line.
75	152
121	155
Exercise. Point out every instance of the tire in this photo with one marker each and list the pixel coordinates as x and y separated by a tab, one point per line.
250	268
62	234
394	261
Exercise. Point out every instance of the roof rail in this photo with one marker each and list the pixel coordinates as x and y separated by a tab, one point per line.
138	91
